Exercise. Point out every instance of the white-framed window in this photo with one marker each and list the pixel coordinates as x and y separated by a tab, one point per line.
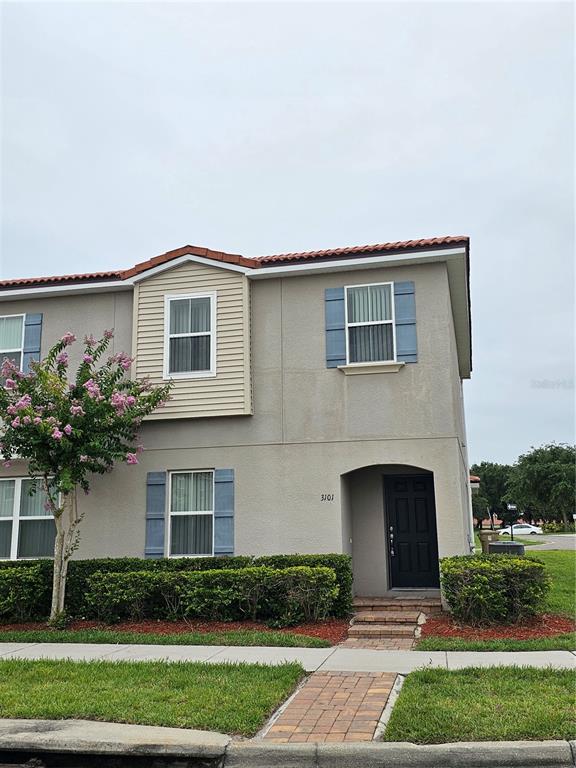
12	338
27	530
191	513
190	335
370	328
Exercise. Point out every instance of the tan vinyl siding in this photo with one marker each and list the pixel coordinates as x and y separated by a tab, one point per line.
229	392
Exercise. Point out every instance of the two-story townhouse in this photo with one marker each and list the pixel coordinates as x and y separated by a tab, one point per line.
317	406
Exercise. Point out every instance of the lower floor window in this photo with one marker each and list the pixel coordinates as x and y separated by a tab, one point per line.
26	529
192	513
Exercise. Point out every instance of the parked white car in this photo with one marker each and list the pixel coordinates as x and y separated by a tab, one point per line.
521	529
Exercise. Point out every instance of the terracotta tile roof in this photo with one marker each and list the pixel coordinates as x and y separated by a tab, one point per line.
229	258
401	245
88	277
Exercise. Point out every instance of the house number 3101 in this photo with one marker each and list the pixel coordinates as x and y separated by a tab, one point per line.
327	497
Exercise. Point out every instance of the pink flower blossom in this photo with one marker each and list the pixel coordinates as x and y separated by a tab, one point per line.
130	400
68	429
93	389
10	384
37	420
26	420
56	434
131	458
88	358
76	410
24	402
62	358
11	410
108	334
83	458
16	422
8	367
68	338
51	420
90	341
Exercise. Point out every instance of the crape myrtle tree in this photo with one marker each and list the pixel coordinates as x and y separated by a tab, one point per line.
70	427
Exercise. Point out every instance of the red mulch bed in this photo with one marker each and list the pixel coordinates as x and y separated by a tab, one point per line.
545	625
332	630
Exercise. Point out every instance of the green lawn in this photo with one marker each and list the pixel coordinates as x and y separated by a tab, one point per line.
233	637
531	542
230	698
561	565
497	704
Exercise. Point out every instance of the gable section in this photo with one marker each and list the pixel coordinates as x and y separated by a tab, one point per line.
226	393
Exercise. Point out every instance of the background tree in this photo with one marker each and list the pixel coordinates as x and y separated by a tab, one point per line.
543	482
70	430
493	486
480	508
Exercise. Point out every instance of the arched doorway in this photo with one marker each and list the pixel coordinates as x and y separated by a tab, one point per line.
392	520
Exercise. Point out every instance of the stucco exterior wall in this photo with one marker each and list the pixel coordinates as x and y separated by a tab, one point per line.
310	426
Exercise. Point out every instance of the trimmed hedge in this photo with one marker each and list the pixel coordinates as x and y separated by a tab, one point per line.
281	597
493	589
340	564
80	572
23	593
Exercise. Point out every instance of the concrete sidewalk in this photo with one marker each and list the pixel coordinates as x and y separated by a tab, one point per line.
335	659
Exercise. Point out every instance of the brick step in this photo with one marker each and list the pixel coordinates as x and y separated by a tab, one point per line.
376	631
386	617
425	605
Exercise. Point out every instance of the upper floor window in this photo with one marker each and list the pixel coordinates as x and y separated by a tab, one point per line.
370	333
192	513
190	338
12	338
26	528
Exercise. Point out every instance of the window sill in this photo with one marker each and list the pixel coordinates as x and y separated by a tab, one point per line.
354	369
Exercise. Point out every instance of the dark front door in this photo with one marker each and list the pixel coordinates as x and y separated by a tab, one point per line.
411	531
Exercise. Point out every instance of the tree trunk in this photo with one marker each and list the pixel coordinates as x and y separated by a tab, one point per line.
66	519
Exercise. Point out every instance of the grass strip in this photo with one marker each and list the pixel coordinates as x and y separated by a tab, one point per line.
230	698
234	637
484	704
565	642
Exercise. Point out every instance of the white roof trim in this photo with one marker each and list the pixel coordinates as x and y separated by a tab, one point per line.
47	291
347	263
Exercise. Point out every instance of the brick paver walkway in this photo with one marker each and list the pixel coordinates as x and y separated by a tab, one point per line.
334	706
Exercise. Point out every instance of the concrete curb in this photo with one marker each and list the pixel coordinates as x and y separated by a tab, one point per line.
37	737
519	754
96	738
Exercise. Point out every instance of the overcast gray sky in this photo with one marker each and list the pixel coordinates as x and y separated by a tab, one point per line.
131	129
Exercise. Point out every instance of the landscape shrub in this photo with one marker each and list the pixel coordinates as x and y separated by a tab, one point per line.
554	526
23	594
493	589
81	571
282	597
340	564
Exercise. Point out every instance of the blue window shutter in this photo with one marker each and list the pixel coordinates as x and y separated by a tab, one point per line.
155	514
405	310
32	340
224	512
335	327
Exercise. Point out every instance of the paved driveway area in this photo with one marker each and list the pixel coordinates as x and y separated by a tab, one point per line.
565	541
